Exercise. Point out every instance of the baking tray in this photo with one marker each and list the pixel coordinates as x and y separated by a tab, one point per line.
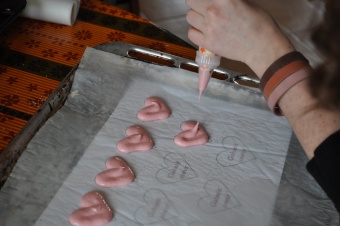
55	101
297	190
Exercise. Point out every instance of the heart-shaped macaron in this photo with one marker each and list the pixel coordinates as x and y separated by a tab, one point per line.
118	173
154	109
137	139
93	212
192	134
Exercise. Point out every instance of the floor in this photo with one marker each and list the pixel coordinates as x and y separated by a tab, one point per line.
297	18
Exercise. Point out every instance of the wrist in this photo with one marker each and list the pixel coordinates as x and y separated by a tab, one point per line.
270	50
281	75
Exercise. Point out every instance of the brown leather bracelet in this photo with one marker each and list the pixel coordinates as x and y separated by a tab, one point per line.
284	86
281	74
278	64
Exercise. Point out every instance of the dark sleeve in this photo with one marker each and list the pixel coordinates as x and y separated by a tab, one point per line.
325	167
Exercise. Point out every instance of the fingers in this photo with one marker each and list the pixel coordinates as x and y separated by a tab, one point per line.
197	5
195	33
196	20
195	36
236	29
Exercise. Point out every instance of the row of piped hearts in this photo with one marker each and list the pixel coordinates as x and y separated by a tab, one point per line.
138	139
94	210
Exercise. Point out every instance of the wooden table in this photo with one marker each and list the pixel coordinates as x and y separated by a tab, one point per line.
35	56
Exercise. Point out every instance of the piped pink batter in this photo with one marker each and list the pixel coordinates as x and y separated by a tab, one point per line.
137	139
118	173
94	211
192	134
204	75
154	109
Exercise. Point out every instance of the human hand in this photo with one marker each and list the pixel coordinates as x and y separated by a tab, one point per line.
237	30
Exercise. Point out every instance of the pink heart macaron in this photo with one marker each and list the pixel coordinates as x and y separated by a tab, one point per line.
118	173
154	109
93	212
192	134
137	139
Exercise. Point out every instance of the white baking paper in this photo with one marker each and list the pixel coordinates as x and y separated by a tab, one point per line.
55	11
231	180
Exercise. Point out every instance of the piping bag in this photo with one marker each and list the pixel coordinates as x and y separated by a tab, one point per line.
207	62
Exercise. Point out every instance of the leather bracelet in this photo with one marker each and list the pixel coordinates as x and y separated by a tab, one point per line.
284	86
278	64
281	74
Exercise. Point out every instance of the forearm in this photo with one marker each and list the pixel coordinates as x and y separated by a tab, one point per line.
311	122
241	31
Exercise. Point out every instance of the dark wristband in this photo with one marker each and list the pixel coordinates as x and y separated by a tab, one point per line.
278	64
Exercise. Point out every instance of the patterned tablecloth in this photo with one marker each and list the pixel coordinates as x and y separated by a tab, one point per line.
35	56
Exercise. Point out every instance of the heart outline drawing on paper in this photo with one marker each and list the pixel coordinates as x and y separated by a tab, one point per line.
218	198
154	109
178	169
235	152
118	173
93	211
137	139
157	208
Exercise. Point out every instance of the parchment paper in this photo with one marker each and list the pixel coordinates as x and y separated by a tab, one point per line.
231	180
55	11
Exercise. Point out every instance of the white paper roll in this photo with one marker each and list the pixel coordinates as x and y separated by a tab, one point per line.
55	11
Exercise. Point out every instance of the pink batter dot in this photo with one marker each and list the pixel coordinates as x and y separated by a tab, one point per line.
118	173
154	109
93	212
192	134
137	139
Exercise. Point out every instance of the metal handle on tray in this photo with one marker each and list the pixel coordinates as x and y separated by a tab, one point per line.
126	50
